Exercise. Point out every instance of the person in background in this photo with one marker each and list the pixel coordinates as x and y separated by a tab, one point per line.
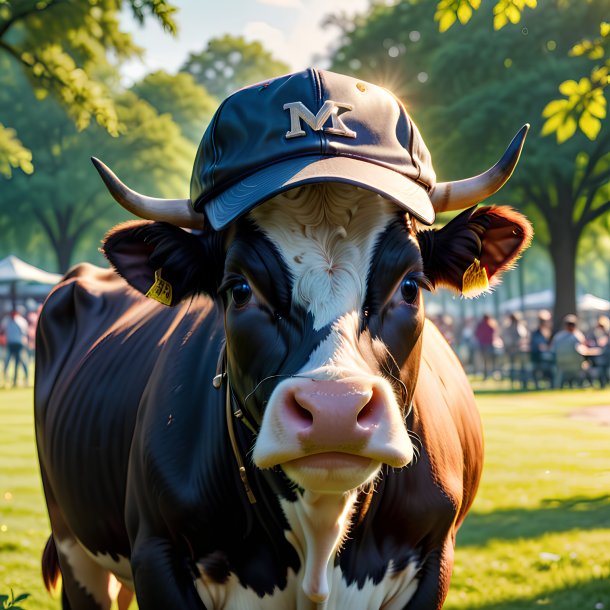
601	332
565	346
16	331
486	334
540	349
514	337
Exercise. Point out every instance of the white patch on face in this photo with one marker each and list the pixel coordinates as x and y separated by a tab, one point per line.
98	575
326	234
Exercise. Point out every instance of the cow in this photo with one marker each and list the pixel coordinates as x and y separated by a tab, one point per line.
250	409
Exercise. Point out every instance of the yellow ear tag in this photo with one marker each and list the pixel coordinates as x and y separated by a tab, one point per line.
474	280
161	290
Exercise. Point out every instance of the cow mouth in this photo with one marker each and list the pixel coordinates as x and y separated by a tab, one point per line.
331	472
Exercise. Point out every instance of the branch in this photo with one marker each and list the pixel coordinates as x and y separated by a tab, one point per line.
37	8
48	74
600	149
539	200
46	225
596	213
92	218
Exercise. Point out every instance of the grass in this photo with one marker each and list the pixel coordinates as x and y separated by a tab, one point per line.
538	535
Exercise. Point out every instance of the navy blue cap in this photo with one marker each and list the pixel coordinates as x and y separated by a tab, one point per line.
311	126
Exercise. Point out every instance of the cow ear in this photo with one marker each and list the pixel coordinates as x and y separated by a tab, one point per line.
162	261
470	253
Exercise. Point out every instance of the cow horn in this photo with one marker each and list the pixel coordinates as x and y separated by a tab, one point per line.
178	212
447	196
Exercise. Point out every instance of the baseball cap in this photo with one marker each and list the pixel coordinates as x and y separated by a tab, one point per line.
307	127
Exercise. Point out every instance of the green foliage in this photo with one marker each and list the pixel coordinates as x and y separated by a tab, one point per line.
64	202
13	153
190	105
229	63
60	43
585	106
12	601
505	11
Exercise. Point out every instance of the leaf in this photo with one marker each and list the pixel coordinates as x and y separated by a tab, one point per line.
513	13
13	154
566	130
552	124
554	107
23	596
445	18
569	87
464	13
500	21
589	125
597	107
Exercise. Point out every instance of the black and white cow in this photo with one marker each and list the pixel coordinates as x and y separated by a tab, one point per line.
291	432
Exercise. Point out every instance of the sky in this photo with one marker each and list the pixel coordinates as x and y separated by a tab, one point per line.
290	29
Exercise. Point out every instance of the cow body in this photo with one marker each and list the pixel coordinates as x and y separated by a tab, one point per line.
244	556
357	429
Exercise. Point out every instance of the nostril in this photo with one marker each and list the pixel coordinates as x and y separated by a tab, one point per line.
297	414
369	414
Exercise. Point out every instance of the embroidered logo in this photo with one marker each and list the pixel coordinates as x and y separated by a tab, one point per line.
330	109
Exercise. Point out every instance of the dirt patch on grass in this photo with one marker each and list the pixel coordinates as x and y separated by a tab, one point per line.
597	415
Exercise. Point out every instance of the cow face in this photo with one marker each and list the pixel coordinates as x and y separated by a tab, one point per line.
323	315
319	283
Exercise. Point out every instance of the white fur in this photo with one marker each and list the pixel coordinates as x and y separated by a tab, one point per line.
392	593
98	575
326	234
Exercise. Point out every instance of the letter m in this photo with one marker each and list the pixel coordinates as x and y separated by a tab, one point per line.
330	109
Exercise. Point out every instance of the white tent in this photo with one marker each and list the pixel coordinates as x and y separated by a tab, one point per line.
545	299
13	270
589	302
536	300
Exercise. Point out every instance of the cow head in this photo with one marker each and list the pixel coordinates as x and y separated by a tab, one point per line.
321	288
320	282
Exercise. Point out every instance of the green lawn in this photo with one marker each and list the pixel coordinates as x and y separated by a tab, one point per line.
538	535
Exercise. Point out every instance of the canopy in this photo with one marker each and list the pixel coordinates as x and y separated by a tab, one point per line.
546	299
13	270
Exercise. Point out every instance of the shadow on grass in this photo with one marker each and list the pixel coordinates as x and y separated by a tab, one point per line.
554	515
587	595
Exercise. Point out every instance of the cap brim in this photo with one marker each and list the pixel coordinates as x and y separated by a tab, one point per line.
242	196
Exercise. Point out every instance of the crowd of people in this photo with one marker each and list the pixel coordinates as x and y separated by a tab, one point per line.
529	353
17	341
526	353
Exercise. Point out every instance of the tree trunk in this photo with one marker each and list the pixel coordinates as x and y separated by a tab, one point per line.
563	255
64	252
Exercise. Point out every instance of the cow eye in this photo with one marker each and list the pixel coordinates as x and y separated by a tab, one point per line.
241	293
409	290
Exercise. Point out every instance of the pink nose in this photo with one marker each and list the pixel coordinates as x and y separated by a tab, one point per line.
334	415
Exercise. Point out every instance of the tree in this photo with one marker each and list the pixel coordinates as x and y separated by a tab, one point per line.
189	104
57	43
229	63
583	104
469	87
64	201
